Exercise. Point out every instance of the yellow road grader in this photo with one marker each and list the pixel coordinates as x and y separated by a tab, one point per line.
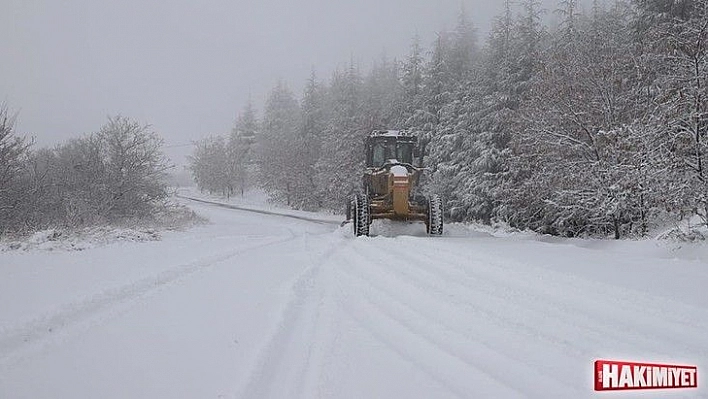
390	185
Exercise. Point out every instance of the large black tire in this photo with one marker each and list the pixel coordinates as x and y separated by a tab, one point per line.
360	210
434	226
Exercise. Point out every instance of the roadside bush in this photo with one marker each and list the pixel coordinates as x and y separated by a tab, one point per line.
13	159
115	175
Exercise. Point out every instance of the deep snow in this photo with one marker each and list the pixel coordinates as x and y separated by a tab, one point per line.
256	305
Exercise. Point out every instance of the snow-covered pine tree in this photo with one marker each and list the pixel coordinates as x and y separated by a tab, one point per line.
241	157
418	117
277	140
433	123
210	165
246	127
575	154
310	141
383	96
338	170
463	49
412	77
491	115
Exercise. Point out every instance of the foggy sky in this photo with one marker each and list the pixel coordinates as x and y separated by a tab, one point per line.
188	67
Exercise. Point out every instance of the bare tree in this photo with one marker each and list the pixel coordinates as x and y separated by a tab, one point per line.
13	152
135	166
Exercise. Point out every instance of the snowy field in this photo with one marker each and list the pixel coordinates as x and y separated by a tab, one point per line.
265	306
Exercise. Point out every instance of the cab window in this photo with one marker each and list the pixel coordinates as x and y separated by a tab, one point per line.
404	153
378	155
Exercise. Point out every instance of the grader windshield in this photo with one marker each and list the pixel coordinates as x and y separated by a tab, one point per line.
390	145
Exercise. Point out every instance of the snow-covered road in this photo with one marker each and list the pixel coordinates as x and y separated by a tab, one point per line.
258	306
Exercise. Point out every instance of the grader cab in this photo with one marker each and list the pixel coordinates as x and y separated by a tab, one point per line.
390	185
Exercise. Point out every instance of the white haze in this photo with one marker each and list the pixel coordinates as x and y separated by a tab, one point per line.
186	67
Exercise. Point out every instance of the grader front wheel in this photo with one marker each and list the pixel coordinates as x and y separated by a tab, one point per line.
360	213
434	224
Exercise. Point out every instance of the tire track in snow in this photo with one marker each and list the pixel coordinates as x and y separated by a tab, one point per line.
380	329
395	264
633	301
439	323
267	375
435	359
324	332
44	328
591	315
467	299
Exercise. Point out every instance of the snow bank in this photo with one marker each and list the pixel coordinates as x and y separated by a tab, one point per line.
78	240
171	216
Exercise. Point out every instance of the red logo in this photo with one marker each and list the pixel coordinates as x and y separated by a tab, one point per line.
617	375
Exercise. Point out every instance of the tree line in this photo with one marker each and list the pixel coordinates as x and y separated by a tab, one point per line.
593	126
105	177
